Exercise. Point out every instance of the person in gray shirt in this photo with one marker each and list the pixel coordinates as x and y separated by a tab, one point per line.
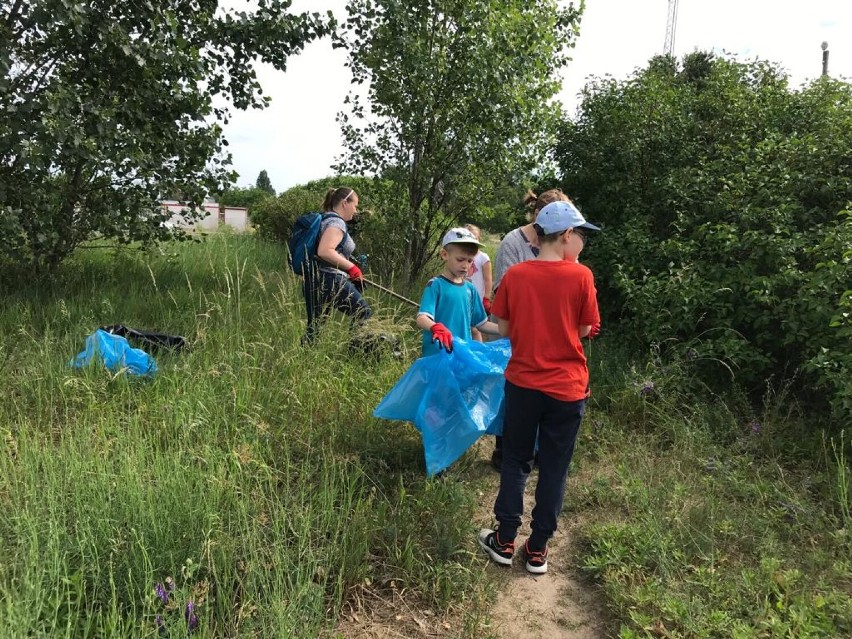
335	279
519	246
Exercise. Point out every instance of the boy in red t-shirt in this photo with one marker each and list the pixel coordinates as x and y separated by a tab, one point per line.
544	306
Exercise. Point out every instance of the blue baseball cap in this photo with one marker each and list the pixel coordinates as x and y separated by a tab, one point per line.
561	216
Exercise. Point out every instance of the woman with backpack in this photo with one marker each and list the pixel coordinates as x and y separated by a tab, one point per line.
333	279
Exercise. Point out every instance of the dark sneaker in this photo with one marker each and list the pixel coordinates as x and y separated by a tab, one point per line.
536	559
497	459
501	552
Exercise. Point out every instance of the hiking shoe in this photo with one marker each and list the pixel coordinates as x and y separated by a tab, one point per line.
500	552
536	559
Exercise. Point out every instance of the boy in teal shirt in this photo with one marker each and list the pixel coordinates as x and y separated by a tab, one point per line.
450	304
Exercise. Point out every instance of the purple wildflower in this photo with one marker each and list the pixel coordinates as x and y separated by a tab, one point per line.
170	584
191	617
754	426
161	625
161	593
691	354
647	388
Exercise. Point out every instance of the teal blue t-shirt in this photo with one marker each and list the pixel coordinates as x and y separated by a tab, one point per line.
456	306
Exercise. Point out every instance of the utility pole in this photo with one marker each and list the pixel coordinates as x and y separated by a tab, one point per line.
671	27
824	47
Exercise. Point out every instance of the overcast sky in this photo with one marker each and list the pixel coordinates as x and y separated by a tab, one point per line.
296	139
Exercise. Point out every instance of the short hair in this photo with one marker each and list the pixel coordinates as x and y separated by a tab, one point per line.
548	238
471	249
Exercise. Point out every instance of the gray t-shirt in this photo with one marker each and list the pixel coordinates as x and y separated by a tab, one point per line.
514	249
345	248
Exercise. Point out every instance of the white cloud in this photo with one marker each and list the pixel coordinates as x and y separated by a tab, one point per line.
297	139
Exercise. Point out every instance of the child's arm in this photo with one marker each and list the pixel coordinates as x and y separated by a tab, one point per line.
487	279
425	317
488	327
424	322
590	318
503	326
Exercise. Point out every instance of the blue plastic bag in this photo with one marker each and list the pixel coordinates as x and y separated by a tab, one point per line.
452	399
116	353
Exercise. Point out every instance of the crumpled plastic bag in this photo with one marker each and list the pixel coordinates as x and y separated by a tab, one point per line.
452	399
116	354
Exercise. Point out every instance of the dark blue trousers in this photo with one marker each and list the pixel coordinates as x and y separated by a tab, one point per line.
324	291
530	414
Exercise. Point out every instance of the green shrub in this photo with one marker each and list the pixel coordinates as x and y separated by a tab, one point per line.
377	233
274	216
720	190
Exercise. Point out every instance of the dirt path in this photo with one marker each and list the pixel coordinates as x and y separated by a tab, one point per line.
556	605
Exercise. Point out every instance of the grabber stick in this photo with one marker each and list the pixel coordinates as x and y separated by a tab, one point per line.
390	292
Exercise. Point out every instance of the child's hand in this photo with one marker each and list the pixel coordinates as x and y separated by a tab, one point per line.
443	336
596	329
487	304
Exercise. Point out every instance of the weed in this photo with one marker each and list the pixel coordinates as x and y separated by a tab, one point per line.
249	469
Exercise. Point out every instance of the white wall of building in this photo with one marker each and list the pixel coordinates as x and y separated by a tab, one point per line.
235	217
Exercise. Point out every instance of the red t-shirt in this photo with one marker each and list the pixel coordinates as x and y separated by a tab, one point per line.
545	303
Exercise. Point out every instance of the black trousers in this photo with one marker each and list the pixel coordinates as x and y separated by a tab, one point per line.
324	291
530	414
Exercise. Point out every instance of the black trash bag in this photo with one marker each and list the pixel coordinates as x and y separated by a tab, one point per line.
375	345
148	340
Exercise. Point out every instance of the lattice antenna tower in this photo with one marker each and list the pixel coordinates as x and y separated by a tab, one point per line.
671	27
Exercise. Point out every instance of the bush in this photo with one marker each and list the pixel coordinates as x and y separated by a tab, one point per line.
720	189
274	216
250	197
377	234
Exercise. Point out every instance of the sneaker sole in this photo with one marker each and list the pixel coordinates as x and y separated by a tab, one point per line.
494	556
537	570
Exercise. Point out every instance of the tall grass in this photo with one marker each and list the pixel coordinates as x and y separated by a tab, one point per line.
249	478
248	472
704	516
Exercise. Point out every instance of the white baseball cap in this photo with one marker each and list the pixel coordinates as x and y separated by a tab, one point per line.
460	235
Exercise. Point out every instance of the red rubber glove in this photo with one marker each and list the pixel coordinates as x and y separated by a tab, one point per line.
487	304
442	335
355	274
596	329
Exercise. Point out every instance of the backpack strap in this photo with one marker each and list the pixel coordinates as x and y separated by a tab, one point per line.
330	214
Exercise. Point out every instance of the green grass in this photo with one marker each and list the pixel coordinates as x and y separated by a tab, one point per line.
701	519
249	470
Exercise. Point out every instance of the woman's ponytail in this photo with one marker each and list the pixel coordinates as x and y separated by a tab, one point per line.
333	197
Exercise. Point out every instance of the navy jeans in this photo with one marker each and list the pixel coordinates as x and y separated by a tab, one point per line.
324	291
530	414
